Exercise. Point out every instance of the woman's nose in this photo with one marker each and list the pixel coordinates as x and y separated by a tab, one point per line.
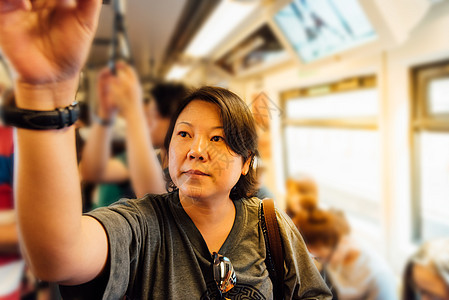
198	149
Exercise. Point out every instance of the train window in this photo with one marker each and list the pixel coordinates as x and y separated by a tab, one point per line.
330	133
434	182
355	104
438	97
430	155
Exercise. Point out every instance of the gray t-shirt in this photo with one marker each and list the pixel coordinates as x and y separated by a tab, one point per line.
156	252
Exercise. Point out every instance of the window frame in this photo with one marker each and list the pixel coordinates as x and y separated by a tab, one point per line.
306	93
346	85
421	120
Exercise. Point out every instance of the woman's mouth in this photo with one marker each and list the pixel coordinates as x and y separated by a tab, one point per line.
195	172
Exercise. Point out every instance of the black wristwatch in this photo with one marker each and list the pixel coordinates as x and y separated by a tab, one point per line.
40	120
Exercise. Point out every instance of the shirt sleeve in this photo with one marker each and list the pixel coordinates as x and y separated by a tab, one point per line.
301	279
125	228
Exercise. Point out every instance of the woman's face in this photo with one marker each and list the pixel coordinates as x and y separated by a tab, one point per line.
428	284
321	252
200	163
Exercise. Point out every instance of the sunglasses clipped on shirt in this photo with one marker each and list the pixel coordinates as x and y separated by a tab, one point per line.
224	274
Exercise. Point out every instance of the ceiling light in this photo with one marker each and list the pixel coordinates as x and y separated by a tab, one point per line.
177	72
226	17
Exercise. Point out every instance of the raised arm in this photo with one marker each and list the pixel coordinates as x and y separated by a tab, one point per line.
144	168
97	165
46	44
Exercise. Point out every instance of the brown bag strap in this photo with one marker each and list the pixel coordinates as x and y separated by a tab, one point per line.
276	250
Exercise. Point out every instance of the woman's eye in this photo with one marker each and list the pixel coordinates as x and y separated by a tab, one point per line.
217	138
182	133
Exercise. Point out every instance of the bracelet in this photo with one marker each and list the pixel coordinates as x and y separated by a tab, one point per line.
104	122
40	120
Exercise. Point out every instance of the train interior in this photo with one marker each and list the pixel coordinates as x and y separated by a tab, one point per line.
352	95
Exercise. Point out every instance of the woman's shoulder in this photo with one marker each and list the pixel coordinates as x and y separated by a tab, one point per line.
251	202
143	205
284	221
157	198
143	214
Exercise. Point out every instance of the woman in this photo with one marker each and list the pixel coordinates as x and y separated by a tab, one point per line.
426	275
160	246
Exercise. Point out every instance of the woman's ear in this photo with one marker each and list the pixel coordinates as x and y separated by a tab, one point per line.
246	165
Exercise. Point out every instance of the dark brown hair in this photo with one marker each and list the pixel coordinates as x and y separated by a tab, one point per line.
321	227
239	130
168	97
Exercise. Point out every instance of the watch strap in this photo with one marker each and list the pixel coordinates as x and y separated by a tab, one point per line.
41	120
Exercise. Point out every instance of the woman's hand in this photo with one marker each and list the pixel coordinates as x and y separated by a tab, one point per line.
47	41
125	90
107	109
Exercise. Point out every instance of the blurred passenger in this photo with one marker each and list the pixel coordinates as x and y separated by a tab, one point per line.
160	107
145	131
11	264
262	191
426	275
302	193
354	269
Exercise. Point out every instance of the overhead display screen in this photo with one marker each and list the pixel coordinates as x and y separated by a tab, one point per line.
320	28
